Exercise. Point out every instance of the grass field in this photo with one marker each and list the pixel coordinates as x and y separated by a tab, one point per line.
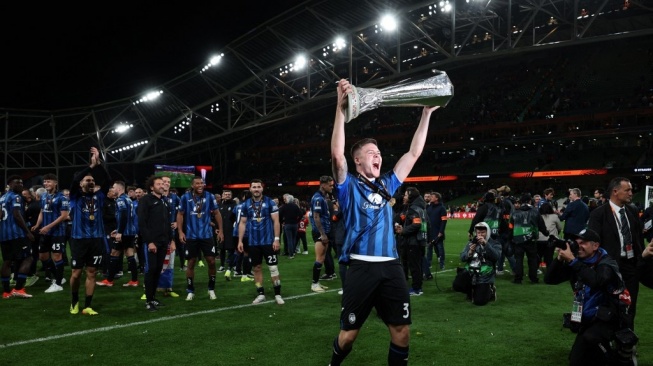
522	328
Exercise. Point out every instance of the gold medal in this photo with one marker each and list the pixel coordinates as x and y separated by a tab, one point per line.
258	219
199	215
91	217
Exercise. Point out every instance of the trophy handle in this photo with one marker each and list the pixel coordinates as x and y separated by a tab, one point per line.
353	105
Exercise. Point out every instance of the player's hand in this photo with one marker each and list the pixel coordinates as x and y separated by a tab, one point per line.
44	230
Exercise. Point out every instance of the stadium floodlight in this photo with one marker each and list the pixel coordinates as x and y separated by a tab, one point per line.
150	96
336	46
122	127
212	62
182	125
445	6
130	146
300	62
389	23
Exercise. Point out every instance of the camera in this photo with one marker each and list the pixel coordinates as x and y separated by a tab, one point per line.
475	240
554	242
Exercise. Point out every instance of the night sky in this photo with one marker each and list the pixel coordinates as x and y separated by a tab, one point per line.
58	56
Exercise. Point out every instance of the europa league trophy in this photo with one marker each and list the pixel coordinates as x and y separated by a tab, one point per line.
434	91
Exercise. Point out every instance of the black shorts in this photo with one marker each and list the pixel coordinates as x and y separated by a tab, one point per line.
258	252
245	244
87	252
54	244
127	242
193	246
16	249
380	285
316	237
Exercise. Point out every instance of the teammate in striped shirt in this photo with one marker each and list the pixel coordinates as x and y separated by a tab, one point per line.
195	231
321	224
261	222
87	241
122	239
375	277
15	238
241	262
51	221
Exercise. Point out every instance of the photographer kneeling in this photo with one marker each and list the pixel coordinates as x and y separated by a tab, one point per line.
600	304
477	278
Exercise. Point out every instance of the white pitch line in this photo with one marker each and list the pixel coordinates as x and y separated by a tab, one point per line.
165	318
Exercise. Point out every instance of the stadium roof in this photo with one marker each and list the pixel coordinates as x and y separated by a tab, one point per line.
257	83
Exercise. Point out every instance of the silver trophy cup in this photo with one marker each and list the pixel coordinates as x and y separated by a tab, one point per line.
434	91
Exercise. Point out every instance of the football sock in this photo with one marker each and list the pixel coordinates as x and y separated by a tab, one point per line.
87	301
317	268
397	356
338	354
132	266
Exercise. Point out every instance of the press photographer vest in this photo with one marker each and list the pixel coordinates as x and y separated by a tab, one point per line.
493	219
524	226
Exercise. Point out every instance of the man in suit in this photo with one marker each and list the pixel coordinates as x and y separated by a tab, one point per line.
575	215
618	224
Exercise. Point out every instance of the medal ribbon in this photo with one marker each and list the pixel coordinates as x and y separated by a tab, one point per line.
257	210
90	206
198	205
378	190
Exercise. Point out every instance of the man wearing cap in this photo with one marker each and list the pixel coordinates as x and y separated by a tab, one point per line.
599	297
620	230
480	255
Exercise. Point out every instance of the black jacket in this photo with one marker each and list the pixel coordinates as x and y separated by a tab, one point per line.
109	215
154	220
603	221
415	230
600	274
32	211
526	221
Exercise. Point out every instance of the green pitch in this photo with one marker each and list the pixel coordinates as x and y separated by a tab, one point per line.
522	328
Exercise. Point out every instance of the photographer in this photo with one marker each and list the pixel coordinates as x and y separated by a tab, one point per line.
414	233
477	278
600	301
525	222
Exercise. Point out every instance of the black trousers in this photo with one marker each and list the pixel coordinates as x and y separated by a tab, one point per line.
479	293
412	259
530	249
586	350
153	267
628	269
